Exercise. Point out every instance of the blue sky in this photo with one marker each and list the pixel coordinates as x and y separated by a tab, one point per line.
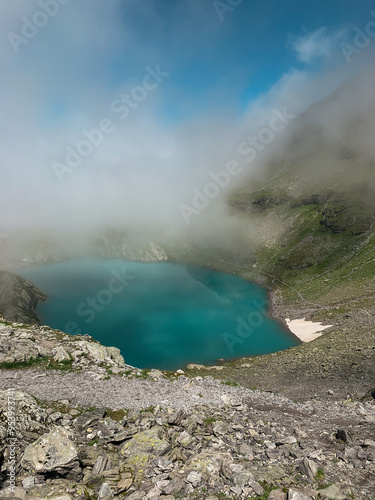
225	75
213	61
230	60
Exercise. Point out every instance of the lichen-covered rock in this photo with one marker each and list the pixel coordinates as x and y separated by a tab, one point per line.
100	353
145	445
60	354
17	350
207	462
44	346
278	494
332	492
53	453
28	416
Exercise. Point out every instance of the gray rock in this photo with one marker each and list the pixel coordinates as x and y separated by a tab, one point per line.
194	477
33	418
287	440
256	487
174	486
301	434
274	454
28	482
143	446
342	435
17	350
102	463
60	354
243	478
246	451
61	497
277	495
237	490
105	491
176	418
137	495
100	353
308	468
53	453
220	428
16	493
297	495
332	492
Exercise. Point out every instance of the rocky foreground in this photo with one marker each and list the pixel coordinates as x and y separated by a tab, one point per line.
76	422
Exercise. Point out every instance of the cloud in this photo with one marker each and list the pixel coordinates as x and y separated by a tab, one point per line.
317	44
65	80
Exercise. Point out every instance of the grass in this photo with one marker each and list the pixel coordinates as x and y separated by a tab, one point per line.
116	415
91	408
319	475
19	365
328	235
267	490
230	383
144	374
209	420
43	362
66	365
149	409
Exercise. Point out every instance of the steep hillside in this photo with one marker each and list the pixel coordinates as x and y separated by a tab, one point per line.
311	214
319	240
19	298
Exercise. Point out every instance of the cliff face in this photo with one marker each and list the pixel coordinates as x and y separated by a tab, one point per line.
118	245
19	298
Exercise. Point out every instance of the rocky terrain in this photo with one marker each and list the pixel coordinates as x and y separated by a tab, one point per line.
79	423
18	298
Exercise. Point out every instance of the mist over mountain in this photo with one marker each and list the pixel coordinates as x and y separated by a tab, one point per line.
86	147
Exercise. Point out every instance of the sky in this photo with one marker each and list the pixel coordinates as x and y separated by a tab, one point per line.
119	111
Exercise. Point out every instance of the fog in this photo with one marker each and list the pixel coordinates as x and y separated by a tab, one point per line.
146	165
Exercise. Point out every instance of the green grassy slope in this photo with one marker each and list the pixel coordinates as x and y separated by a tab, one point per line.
316	252
311	215
324	246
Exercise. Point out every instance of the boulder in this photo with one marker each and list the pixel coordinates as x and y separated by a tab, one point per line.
144	446
308	468
297	495
60	354
105	491
174	486
333	492
53	453
102	463
277	495
15	493
16	350
208	463
100	353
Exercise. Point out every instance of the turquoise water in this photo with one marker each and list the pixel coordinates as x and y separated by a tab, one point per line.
161	315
